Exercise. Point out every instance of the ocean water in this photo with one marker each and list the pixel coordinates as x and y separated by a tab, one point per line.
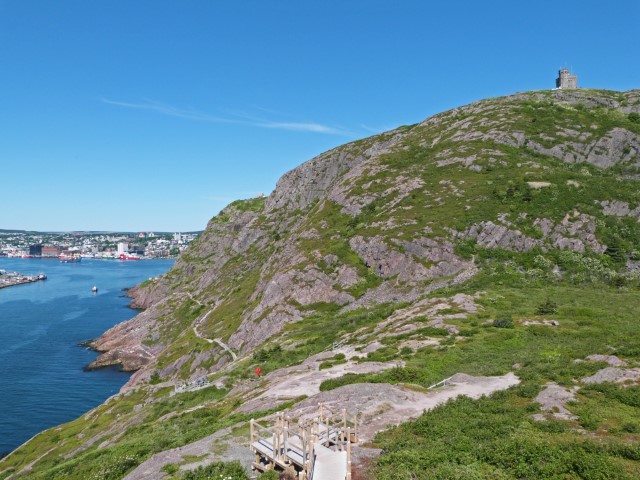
42	381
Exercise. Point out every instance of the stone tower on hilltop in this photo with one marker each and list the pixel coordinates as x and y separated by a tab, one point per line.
566	80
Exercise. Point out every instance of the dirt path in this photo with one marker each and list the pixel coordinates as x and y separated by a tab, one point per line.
210	340
380	406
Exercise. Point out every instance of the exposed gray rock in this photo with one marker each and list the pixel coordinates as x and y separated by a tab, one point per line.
614	375
610	359
618	208
575	232
490	235
553	399
347	276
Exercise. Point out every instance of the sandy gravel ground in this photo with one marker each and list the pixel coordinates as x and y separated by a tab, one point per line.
380	405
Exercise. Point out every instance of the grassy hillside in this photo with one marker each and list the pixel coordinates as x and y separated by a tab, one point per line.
526	206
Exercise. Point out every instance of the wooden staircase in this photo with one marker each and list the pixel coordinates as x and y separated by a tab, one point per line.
319	449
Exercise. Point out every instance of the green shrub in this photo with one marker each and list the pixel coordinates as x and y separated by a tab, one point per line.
230	470
552	426
527	390
626	395
634	117
548	307
489	435
503	322
269	475
404	351
265	354
170	468
589	421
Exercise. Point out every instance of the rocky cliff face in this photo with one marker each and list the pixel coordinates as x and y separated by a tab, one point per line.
383	220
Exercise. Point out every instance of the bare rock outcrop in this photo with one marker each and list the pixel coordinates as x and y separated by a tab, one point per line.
575	232
614	375
552	400
610	359
124	345
618	208
421	259
490	235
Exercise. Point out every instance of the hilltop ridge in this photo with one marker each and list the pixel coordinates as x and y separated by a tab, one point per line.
337	228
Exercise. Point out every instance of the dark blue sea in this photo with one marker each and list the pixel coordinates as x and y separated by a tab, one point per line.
42	382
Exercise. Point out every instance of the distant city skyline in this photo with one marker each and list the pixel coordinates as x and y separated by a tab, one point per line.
154	115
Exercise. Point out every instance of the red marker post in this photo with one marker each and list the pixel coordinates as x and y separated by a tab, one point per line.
258	371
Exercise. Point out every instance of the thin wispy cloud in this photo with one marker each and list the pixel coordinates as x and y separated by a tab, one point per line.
164	109
232	117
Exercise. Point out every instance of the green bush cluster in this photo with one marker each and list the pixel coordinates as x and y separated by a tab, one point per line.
628	395
265	354
491	438
548	307
505	321
218	471
337	359
269	475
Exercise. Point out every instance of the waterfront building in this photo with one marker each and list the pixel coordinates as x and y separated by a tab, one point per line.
122	248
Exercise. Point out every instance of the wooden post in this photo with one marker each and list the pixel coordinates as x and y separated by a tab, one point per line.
251	430
355	428
303	432
321	409
279	433
326	425
348	453
274	450
285	434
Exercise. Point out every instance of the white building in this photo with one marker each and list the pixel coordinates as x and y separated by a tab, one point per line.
122	248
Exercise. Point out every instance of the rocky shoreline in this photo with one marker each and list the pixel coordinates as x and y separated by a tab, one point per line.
122	344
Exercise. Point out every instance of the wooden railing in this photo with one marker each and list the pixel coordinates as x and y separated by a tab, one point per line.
441	383
289	445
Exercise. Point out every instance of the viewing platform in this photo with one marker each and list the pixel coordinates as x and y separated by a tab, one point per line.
318	449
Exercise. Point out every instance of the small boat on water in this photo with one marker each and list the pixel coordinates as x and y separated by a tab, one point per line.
94	289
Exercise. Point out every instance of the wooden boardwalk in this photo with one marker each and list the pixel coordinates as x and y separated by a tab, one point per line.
319	449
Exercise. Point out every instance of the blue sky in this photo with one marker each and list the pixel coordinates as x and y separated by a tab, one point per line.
154	114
